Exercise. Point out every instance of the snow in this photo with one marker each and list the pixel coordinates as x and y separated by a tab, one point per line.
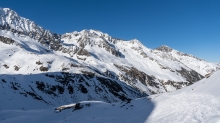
16	22
196	103
131	51
162	66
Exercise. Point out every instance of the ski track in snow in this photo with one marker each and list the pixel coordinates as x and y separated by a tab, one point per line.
185	107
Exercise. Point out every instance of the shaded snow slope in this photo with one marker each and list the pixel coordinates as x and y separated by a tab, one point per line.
195	104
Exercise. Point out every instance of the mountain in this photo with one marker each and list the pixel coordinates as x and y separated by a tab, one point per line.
49	69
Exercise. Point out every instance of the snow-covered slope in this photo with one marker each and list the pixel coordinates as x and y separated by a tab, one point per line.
198	103
161	69
88	65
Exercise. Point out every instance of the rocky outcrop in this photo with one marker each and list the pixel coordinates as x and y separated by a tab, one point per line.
68	87
42	68
190	75
133	75
6	40
83	52
110	49
189	55
164	48
177	85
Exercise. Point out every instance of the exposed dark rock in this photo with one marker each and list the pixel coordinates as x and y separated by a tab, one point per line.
6	40
78	106
50	75
39	63
70	88
131	75
3	80
134	74
60	89
54	45
208	75
42	68
65	69
90	74
40	85
114	88
46	88
16	68
164	48
83	52
81	58
83	89
15	85
66	78
83	41
111	74
177	85
6	66
34	95
74	65
191	76
49	62
144	54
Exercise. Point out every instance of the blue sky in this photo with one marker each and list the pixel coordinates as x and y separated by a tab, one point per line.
190	26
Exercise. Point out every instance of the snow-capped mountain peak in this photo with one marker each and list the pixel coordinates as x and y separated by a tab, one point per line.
12	19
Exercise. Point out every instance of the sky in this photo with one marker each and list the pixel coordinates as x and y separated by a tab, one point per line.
189	26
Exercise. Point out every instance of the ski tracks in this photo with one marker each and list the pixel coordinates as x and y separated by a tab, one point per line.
185	108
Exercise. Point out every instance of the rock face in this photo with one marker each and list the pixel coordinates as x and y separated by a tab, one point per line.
82	51
164	48
88	65
6	40
191	76
70	87
86	38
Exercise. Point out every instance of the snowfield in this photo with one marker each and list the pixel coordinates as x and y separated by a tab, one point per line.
193	104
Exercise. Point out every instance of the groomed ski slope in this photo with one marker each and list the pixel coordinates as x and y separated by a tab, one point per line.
198	103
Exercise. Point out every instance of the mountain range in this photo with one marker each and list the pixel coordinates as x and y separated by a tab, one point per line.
49	69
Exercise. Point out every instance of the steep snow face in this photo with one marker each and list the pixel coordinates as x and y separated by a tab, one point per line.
12	19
